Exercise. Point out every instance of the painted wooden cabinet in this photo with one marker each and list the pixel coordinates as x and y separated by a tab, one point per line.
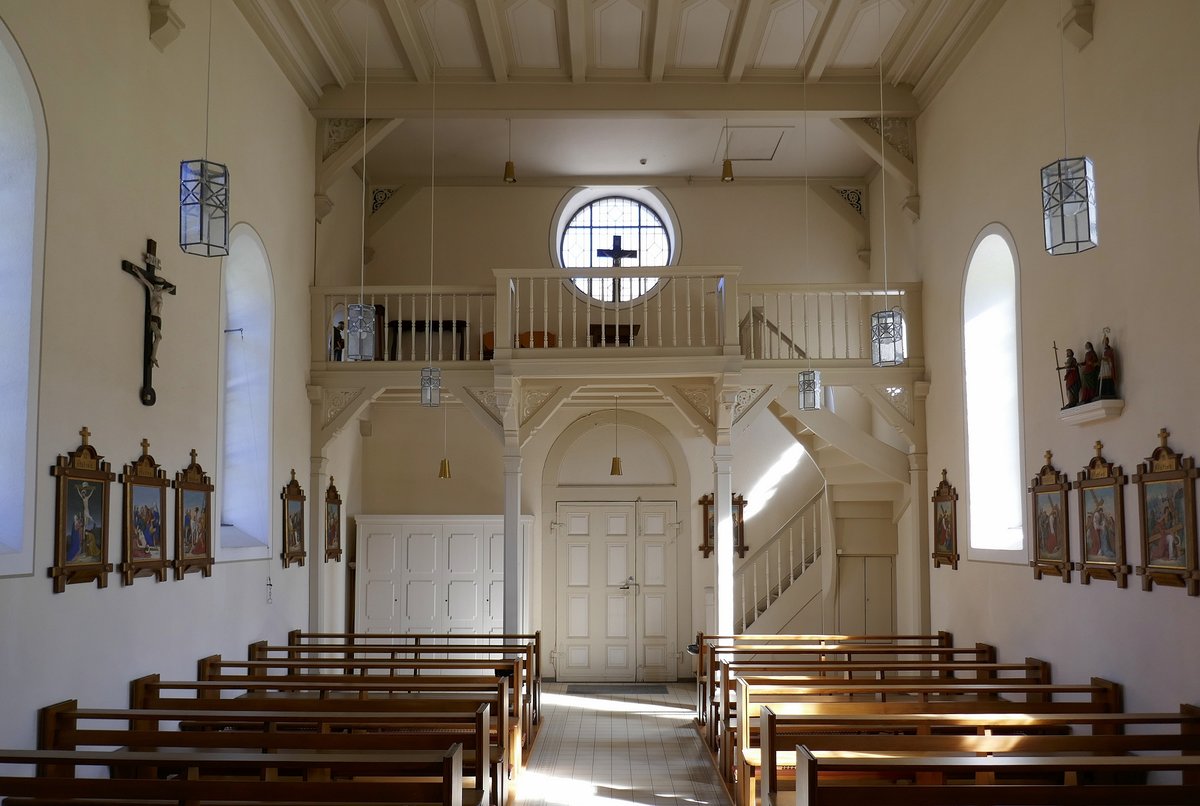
422	574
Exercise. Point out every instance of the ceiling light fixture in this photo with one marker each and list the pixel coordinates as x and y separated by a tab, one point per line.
727	165
1069	192
431	376
808	381
360	317
615	469
204	189
887	326
510	170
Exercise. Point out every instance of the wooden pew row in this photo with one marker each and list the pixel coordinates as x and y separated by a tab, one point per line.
740	733
815	788
470	674
706	663
453	653
1018	734
300	638
294	778
1032	670
65	726
359	695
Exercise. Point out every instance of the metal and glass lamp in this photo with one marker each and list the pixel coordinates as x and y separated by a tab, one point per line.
204	190
360	316
431	386
887	327
809	381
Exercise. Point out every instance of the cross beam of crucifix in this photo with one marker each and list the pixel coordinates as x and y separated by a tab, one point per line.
616	253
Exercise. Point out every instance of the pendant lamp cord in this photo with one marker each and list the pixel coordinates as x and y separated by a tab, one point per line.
804	90
882	156
1062	73
616	427
208	81
362	262
432	196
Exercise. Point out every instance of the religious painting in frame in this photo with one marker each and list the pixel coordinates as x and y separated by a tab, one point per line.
708	510
1167	513
81	517
145	513
193	521
945	525
333	523
1101	501
1052	542
293	522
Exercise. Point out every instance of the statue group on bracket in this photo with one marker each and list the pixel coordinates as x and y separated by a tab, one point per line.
1092	378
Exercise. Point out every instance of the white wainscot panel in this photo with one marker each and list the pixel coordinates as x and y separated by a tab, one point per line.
577	523
577	565
420	553
495	600
618	563
381	554
462	553
655	607
463	596
655	571
577	657
495	553
655	523
618	613
420	602
618	525
617	657
577	616
380	599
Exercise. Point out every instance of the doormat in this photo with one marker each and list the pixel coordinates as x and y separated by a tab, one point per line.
632	689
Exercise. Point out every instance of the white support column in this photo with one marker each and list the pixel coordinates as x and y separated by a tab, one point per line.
514	583
723	484
318	479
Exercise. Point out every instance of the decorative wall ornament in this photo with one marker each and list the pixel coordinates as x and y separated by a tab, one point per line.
1052	543
379	197
1101	500
900	397
1167	510
145	517
333	523
533	399
897	132
700	398
336	401
81	517
853	197
485	396
746	397
193	520
338	132
708	513
293	522
945	524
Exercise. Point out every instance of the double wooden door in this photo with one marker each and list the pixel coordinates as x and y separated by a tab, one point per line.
616	598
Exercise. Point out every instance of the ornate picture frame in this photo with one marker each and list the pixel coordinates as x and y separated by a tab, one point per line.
193	521
293	523
1051	530
80	539
333	523
708	543
1100	497
945	525
143	533
1167	513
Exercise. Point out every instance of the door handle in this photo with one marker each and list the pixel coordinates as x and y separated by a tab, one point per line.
630	583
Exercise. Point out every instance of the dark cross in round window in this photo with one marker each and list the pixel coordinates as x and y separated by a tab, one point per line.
614	231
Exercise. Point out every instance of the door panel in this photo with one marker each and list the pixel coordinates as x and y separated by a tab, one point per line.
657	595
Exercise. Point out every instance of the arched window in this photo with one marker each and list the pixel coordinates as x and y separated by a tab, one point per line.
22	194
991	350
637	221
248	323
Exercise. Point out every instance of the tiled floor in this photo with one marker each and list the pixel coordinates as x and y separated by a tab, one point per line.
597	750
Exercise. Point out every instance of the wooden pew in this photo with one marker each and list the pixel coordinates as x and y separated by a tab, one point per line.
65	726
706	664
534	639
965	732
812	789
294	778
352	694
919	696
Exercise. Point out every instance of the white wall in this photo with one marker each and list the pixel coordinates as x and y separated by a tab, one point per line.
120	116
1133	108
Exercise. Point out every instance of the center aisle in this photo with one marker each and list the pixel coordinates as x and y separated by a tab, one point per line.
596	748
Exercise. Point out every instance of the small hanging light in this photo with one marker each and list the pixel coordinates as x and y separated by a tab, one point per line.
204	190
510	170
615	469
808	380
431	386
431	376
444	468
887	327
360	316
727	165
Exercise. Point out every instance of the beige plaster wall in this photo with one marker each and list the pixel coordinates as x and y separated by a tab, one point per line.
1133	108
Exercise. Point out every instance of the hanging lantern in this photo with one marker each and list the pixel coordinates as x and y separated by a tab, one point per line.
431	387
204	208
887	338
809	381
1069	206
360	332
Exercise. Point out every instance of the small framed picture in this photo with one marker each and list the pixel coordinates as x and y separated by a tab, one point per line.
293	522
193	521
333	523
1167	512
1101	501
81	517
945	525
145	512
1052	545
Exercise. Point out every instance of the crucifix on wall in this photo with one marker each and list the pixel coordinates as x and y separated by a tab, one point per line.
154	286
616	253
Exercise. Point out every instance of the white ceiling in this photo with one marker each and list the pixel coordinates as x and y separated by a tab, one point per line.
620	90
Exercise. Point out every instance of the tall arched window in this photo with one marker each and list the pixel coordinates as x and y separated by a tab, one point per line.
991	350
22	194
248	323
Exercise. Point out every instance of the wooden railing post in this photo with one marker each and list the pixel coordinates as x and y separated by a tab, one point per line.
504	315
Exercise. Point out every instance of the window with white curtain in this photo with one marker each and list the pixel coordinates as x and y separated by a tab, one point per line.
244	483
991	350
22	185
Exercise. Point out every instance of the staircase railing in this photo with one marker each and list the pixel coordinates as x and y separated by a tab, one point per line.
793	551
